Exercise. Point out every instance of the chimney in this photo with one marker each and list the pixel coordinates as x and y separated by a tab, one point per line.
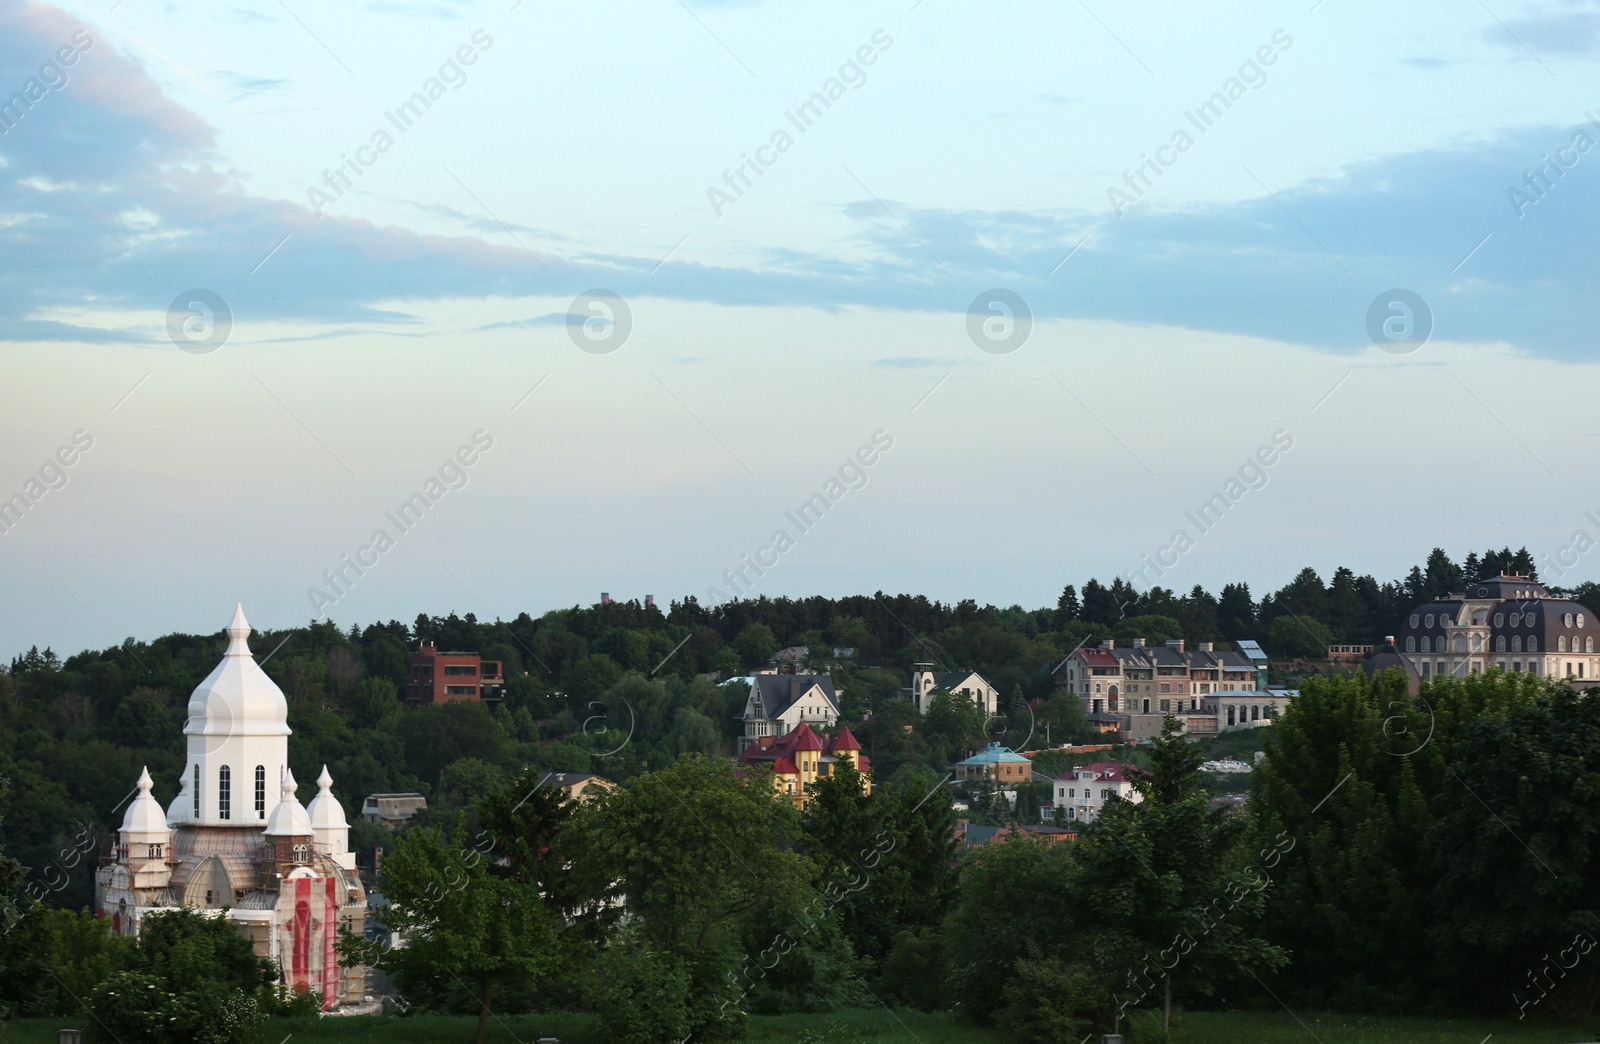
1138	643
605	598
1177	643
649	601
1203	647
1108	643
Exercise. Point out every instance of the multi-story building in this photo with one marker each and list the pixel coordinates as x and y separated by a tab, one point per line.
1144	683
1082	793
436	677
780	703
801	756
925	681
1510	622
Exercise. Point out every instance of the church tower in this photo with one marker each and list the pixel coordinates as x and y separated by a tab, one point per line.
238	739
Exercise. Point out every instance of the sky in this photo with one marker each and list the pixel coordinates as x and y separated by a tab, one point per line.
607	292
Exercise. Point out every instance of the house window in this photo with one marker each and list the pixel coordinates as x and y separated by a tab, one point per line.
1561	644
1533	643
261	792
1500	644
224	792
1427	644
1516	643
1411	644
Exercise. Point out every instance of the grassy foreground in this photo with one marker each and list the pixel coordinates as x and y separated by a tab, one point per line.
884	1027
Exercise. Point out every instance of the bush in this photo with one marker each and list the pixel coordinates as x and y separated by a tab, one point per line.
640	995
1049	1001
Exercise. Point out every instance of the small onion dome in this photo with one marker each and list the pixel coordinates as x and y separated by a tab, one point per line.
288	817
327	816
144	821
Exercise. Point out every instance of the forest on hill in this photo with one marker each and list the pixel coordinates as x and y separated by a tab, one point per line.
621	688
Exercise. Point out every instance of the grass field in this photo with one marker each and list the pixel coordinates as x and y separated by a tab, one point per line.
883	1027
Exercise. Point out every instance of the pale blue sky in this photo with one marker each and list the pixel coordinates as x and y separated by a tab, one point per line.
975	151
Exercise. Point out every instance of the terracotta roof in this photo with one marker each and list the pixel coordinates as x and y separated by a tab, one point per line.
785	766
804	738
844	740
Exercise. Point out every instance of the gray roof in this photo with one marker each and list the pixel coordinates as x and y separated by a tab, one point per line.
778	692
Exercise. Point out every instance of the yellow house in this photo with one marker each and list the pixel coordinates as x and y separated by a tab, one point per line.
801	757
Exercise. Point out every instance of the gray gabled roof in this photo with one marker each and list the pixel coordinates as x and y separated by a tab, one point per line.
778	692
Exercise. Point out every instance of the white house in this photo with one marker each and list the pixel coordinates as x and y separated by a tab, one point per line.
780	702
925	682
1083	792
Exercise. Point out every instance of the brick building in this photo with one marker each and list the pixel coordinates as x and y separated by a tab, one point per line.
436	677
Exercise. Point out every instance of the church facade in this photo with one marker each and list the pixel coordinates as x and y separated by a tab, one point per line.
237	842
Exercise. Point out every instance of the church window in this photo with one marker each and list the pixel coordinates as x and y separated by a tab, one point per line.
224	792
155	851
301	853
261	792
196	794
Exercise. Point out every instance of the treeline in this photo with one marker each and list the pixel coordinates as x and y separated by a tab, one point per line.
1419	855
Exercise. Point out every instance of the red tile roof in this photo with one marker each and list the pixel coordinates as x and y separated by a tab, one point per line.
844	741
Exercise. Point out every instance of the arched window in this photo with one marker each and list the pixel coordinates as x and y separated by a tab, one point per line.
1461	643
1561	643
1255	713
224	792
196	786
261	792
1588	644
1427	644
1500	644
1411	645
1230	714
1533	643
301	852
1516	643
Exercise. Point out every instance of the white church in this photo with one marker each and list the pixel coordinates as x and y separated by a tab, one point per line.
282	872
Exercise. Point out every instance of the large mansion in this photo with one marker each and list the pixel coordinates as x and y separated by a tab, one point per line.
779	703
1509	622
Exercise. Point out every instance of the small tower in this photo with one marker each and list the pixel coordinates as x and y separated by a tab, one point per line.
328	825
144	842
922	684
289	834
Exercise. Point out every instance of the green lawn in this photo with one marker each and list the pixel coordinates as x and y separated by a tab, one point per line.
883	1027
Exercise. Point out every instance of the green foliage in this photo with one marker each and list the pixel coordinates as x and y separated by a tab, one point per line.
50	958
640	994
1049	1000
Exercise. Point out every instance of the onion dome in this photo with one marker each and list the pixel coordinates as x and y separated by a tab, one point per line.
289	818
327	816
144	821
237	698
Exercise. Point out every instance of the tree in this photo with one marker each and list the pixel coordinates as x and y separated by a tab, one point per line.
698	858
1303	636
1067	605
1173	901
192	977
459	920
755	643
376	704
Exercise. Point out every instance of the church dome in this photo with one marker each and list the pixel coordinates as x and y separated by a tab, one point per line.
289	818
237	698
144	817
327	816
